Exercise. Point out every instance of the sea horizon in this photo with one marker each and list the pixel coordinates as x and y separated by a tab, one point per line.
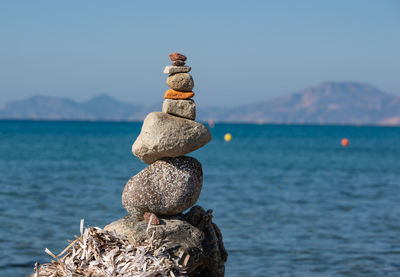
205	122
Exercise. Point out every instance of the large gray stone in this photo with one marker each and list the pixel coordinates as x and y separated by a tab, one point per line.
165	135
182	108
166	187
181	82
171	69
191	234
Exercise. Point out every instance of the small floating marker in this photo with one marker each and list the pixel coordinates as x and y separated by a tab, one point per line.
228	137
211	123
345	142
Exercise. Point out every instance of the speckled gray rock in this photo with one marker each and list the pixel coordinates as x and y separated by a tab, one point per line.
171	69
193	233
180	82
166	187
182	108
165	135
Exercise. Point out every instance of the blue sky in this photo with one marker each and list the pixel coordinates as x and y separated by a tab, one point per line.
240	51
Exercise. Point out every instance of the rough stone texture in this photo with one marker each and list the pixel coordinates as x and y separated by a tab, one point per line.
193	233
150	216
171	69
177	56
182	108
180	82
178	63
173	94
165	135
166	187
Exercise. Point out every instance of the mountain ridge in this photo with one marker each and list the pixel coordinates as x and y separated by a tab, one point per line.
327	103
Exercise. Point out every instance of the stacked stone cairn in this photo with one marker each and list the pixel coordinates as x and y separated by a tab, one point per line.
157	196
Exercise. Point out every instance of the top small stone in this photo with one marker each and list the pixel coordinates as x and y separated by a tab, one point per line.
177	56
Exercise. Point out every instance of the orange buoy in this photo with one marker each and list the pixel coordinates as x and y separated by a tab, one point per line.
345	142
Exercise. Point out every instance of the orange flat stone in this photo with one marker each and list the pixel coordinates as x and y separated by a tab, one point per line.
173	94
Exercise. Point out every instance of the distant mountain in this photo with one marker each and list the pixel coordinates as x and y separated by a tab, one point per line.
40	107
102	107
328	103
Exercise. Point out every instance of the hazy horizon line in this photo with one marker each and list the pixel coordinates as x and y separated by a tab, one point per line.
207	106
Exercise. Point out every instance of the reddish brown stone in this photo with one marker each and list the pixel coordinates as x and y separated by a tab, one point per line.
177	56
173	94
178	63
154	218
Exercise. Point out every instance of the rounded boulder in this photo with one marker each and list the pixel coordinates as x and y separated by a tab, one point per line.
180	82
166	187
164	135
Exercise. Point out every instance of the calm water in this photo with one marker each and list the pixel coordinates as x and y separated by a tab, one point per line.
288	199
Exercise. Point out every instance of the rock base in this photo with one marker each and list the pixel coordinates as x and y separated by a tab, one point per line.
191	236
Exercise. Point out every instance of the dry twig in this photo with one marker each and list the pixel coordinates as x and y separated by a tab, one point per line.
98	253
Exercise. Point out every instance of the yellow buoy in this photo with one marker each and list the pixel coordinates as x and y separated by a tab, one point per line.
228	137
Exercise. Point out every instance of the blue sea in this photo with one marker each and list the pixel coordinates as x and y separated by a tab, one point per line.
289	200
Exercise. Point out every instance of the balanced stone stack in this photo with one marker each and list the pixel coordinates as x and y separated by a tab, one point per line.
172	182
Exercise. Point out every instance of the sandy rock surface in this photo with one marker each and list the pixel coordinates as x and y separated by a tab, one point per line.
171	69
165	135
181	82
182	108
166	187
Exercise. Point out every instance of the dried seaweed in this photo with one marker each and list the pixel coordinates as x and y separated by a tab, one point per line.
98	253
